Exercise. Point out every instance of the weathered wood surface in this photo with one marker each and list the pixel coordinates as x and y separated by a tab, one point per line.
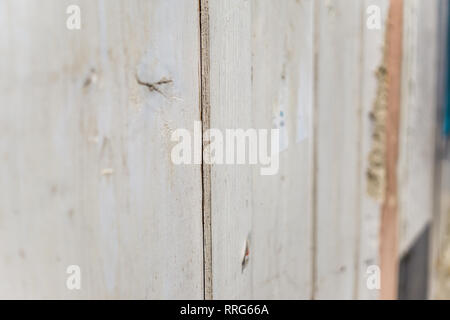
231	201
86	173
369	220
281	259
86	176
419	114
337	177
297	249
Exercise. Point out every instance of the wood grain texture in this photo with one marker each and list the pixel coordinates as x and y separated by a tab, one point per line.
269	69
418	120
281	259
231	197
87	177
86	118
338	111
370	208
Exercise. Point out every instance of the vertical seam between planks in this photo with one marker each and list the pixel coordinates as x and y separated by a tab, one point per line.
205	107
314	153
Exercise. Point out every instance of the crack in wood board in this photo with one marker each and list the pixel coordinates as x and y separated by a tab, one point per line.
205	107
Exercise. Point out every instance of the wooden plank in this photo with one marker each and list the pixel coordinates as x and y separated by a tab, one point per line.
87	177
370	207
389	214
419	107
338	138
281	258
230	94
270	214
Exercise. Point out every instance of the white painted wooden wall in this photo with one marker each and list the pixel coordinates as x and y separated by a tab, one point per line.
86	175
419	118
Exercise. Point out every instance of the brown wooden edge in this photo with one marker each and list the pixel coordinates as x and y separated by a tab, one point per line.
389	215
